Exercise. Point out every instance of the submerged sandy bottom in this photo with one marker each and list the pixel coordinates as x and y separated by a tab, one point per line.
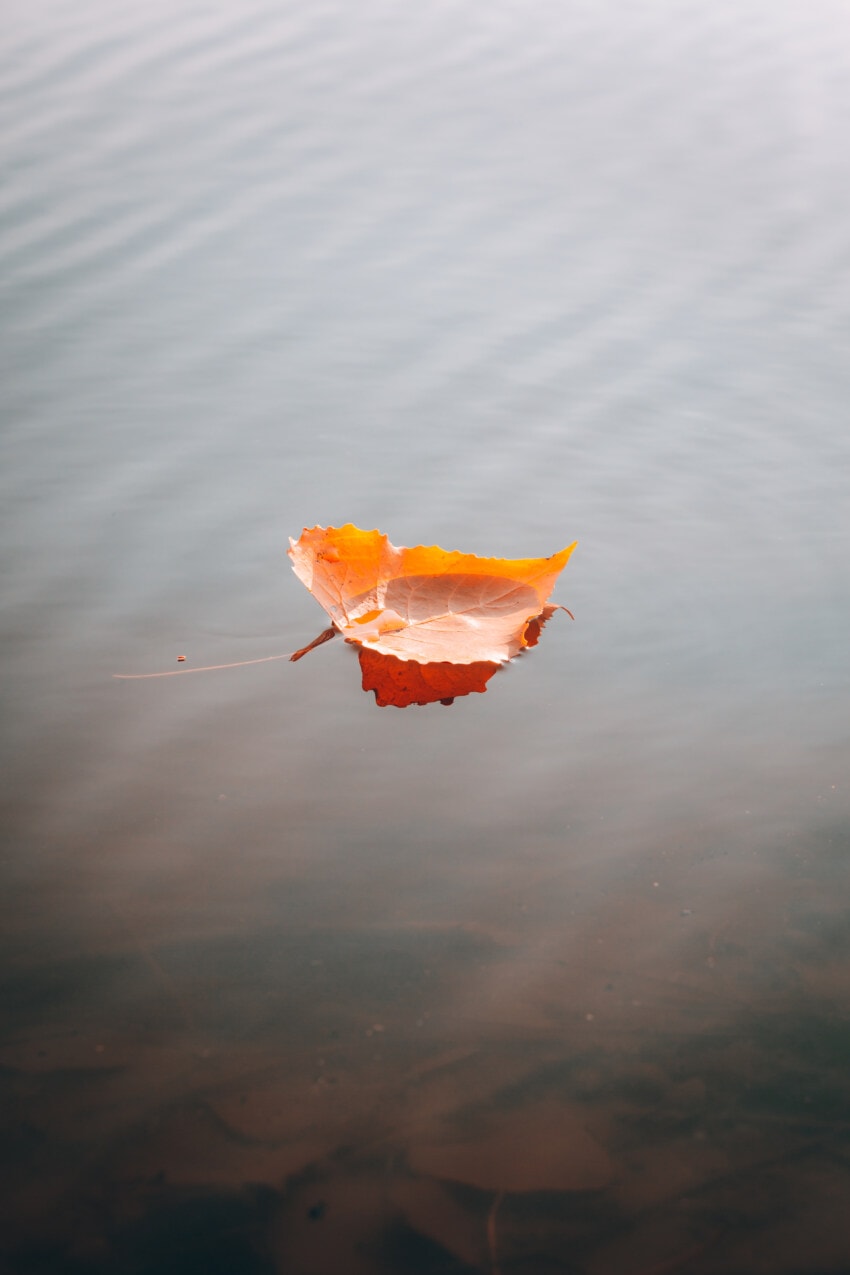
637	1074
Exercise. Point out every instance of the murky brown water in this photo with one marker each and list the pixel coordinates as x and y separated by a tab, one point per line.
555	979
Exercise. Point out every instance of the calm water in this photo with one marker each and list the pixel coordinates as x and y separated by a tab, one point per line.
555	979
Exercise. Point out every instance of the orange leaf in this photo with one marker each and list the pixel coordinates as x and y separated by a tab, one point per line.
403	682
439	612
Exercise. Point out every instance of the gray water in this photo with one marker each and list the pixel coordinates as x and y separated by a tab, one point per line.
554	979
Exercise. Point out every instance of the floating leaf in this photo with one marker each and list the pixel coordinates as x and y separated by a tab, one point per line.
429	624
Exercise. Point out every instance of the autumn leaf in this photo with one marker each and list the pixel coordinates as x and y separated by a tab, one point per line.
428	624
404	682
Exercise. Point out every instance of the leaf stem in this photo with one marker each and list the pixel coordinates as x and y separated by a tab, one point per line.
324	636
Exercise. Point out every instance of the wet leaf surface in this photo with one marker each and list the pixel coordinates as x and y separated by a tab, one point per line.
429	624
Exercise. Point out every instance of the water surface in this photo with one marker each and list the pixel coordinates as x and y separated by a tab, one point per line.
554	979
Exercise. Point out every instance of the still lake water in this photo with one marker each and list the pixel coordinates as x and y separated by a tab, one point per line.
555	979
